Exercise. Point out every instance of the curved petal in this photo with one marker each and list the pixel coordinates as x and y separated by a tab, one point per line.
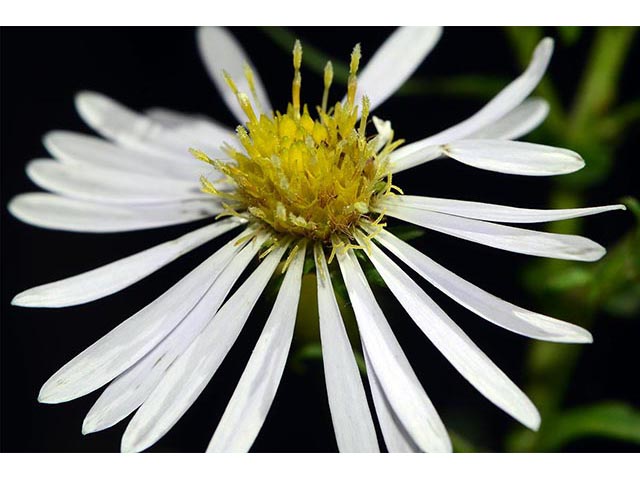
518	122
397	379
47	210
482	303
221	52
106	185
490	212
115	276
252	398
503	103
396	437
454	344
132	387
394	62
76	149
123	346
517	158
352	422
134	130
190	373
530	242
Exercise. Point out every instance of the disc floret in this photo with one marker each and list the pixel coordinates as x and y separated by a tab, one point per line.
316	178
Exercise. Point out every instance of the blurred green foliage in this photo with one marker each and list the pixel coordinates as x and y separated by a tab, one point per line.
594	123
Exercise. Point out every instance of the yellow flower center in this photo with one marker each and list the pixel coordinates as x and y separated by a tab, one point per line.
316	178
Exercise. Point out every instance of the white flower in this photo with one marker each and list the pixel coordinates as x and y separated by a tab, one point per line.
296	186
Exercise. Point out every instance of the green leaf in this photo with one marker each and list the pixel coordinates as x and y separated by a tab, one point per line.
613	419
570	35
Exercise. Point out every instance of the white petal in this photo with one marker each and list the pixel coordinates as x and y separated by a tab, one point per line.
530	242
352	422
115	276
220	51
490	212
503	103
454	344
133	338
394	62
402	159
106	185
133	130
396	437
252	398
47	210
190	373
489	307
193	125
517	158
79	149
518	122
131	388
397	379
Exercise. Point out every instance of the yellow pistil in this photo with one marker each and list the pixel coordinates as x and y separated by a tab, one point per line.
305	177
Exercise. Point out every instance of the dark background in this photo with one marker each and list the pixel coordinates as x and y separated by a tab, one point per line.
43	68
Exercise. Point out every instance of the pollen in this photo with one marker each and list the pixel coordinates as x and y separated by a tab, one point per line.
306	173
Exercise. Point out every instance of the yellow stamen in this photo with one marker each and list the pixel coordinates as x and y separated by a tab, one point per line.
328	78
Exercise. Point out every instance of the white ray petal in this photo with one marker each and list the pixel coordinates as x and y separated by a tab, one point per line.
107	185
190	373
123	346
512	239
352	422
113	277
454	344
482	303
220	51
518	122
75	149
517	158
397	379
131	388
401	159
252	398
500	105
490	212
134	130
195	125
396	437
47	210
394	62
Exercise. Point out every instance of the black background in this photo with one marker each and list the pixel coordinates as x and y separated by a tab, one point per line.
43	68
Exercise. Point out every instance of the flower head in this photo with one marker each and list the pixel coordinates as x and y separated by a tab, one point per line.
300	183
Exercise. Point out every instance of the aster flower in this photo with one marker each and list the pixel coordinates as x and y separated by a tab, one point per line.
296	183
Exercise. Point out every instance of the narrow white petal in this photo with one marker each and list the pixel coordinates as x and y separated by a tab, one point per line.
512	239
517	158
490	212
454	344
352	422
220	51
397	379
131	388
252	398
198	127
518	122
394	62
402	159
190	373
47	210
107	185
131	129
133	338
396	437
79	149
482	303
115	276
503	103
